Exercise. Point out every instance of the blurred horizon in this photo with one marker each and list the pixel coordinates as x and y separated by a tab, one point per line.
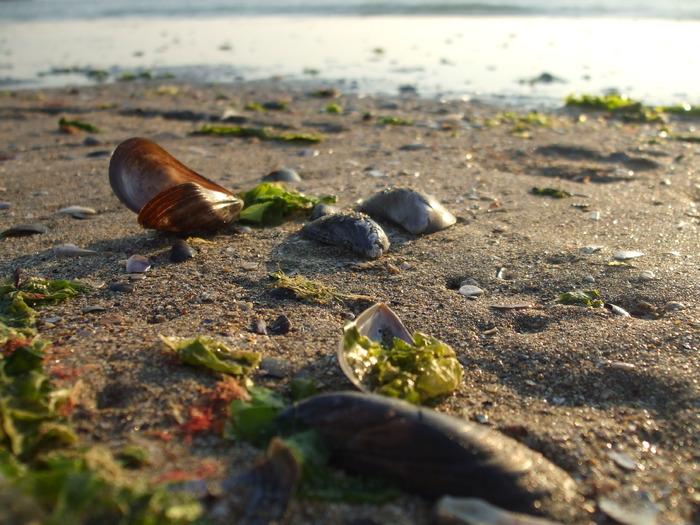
503	49
35	10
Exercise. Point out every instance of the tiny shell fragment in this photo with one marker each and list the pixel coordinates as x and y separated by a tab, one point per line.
79	212
470	290
71	250
137	264
625	255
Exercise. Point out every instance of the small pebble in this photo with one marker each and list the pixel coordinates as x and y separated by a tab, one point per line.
52	320
619	365
79	212
647	275
5	205
249	266
470	290
282	175
121	287
181	251
589	279
635	508
280	326
674	306
259	327
279	368
321	209
590	249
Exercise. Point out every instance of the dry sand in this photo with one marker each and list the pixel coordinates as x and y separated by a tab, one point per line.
576	384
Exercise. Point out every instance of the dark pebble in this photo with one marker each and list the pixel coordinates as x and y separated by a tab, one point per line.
259	327
181	251
279	368
282	325
283	175
99	153
322	209
91	141
280	293
121	287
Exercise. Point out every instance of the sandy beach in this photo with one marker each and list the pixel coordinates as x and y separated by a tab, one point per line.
611	399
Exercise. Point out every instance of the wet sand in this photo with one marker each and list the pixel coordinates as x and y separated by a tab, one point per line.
613	400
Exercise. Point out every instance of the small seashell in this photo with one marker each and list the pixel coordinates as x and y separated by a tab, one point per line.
354	231
22	230
415	211
647	275
93	309
626	255
249	266
470	290
137	264
280	326
71	250
630	507
617	310
5	206
282	175
181	251
590	249
79	212
474	511
622	460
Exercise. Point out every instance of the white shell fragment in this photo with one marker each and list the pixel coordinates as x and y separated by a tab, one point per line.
474	511
137	264
626	255
622	460
470	290
590	249
79	212
71	250
635	508
618	310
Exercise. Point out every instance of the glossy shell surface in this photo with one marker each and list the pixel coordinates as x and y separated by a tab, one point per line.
432	454
354	231
165	193
377	323
413	210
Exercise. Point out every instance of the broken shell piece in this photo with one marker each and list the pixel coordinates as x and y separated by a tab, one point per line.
22	230
474	511
79	212
165	193
137	264
470	290
181	251
625	255
415	211
379	355
71	250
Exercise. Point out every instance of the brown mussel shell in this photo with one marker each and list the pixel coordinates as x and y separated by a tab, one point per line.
165	193
432	454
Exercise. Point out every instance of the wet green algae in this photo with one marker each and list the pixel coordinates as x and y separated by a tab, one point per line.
44	478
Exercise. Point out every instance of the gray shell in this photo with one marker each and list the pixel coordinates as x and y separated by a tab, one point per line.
353	231
415	211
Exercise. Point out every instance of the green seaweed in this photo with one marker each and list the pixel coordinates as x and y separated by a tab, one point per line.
682	109
212	354
83	126
393	121
269	203
582	298
416	372
619	105
334	109
311	291
551	192
260	133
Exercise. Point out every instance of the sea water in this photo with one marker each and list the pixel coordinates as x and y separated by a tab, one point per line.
646	49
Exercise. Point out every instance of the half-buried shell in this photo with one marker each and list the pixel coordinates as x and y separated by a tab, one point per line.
354	231
165	193
413	210
432	454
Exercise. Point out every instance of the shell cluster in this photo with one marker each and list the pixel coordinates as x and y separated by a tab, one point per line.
166	194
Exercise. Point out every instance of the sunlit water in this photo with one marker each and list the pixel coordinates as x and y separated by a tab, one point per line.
651	58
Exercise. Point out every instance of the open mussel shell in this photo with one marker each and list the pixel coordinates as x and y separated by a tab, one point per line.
415	211
432	454
377	323
165	193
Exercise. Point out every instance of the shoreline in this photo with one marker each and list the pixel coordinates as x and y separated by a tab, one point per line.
610	399
437	56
